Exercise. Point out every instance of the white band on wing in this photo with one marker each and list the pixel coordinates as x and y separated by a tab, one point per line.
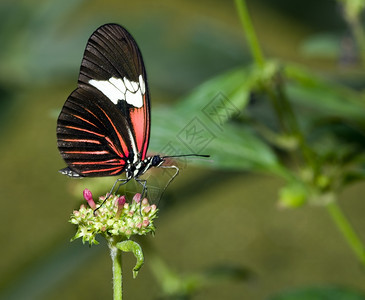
117	89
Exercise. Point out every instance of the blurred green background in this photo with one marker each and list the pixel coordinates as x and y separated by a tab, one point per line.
214	216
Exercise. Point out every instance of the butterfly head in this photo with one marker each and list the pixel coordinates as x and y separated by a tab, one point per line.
157	161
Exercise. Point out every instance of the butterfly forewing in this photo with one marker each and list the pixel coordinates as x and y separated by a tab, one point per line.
111	52
105	122
113	64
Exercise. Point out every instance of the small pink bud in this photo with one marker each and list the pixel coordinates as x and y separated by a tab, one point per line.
89	198
137	197
87	194
103	228
147	209
153	207
139	225
76	213
120	201
144	201
145	223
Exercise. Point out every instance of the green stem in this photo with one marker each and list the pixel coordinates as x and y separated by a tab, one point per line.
116	256
288	120
352	12
250	32
294	128
359	35
347	230
281	104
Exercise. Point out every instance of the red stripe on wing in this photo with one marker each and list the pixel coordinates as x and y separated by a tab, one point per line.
84	130
115	149
83	119
105	162
81	141
121	141
87	152
116	170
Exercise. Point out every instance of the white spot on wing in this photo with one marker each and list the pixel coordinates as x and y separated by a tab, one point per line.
135	85
128	84
108	89
142	84
118	83
134	99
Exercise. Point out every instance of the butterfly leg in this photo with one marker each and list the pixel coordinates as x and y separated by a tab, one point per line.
143	183
123	181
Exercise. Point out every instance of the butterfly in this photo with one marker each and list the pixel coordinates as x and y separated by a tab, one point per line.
104	126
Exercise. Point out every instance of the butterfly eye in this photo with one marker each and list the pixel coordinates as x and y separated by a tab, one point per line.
157	161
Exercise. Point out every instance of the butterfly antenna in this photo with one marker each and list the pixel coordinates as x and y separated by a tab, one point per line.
184	155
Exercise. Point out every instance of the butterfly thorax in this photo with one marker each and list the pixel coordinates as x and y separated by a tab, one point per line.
139	167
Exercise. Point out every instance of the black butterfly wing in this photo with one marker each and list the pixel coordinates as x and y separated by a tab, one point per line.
113	64
89	140
106	121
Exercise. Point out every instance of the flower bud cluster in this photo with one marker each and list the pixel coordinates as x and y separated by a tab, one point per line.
114	218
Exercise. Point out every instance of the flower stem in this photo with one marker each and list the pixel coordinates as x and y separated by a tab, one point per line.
358	32
250	32
116	256
347	230
352	12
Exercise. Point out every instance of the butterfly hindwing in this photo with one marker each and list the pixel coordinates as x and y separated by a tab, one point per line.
91	143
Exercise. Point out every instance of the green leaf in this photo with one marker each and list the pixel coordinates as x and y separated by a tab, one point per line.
228	92
234	147
132	246
238	147
199	124
324	97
